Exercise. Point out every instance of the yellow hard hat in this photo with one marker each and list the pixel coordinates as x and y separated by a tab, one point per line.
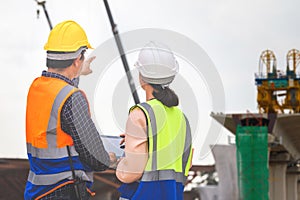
67	36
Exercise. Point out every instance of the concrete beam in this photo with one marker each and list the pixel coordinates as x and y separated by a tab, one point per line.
280	157
286	128
294	170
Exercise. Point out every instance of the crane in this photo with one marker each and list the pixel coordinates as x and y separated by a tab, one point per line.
42	3
278	92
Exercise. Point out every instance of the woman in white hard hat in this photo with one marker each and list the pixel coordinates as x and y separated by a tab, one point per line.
158	137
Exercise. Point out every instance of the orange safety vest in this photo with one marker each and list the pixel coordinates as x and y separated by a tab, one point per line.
41	98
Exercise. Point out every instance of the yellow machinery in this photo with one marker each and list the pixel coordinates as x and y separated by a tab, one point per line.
278	91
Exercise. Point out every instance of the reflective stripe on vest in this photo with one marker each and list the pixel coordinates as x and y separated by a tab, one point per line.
51	179
172	172
187	155
153	134
46	141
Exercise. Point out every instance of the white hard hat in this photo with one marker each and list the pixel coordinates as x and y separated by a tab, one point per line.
157	64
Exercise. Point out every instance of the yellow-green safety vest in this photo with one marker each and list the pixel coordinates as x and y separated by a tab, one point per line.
169	142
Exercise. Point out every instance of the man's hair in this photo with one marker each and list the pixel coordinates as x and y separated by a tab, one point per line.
60	64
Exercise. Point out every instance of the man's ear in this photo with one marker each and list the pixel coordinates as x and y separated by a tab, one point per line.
77	62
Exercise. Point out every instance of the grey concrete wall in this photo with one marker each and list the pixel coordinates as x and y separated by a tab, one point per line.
225	158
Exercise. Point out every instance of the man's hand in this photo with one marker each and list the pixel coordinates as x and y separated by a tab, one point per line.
86	70
113	160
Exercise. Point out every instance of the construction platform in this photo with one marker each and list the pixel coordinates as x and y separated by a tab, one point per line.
284	148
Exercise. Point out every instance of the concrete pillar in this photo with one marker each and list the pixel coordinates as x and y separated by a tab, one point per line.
208	192
298	187
291	186
225	159
277	176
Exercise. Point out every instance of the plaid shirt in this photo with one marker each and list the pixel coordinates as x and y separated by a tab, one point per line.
76	121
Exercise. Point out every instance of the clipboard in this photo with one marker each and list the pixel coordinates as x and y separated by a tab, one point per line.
112	144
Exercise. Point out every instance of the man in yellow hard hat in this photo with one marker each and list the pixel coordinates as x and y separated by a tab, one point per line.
63	144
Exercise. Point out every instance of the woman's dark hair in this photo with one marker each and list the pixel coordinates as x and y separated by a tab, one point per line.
165	95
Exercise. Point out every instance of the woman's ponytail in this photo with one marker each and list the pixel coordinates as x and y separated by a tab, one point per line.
165	95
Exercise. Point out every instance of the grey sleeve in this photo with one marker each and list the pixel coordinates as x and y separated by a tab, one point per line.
76	121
